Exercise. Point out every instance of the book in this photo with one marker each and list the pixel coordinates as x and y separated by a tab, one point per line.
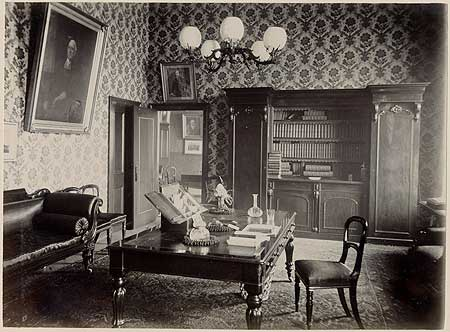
167	209
270	230
251	235
318	173
245	241
175	204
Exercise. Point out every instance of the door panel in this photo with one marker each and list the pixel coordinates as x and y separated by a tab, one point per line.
249	159
119	110
145	163
335	209
301	202
394	175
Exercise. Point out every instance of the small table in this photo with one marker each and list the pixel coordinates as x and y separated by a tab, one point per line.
105	221
163	253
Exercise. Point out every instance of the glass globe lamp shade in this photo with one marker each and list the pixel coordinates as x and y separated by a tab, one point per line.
232	29
208	47
274	38
190	37
260	51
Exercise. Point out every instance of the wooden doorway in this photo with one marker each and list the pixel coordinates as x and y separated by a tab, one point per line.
133	162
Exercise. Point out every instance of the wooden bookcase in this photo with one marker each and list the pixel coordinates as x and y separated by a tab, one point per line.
336	132
324	137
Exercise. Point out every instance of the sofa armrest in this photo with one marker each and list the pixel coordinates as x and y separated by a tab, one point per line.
73	204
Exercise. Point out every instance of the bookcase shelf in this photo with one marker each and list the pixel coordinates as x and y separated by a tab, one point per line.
317	160
318	140
364	140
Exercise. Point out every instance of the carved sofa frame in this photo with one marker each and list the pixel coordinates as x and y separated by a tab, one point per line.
26	248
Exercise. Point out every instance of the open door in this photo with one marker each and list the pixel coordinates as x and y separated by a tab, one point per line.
145	164
133	163
120	145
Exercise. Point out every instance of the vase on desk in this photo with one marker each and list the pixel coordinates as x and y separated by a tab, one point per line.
255	211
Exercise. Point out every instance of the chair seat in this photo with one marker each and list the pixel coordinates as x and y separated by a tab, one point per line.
315	273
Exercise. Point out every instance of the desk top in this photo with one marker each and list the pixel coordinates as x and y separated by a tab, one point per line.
424	204
166	243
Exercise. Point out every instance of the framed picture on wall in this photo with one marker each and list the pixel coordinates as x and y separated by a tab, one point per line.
10	141
192	125
66	70
178	82
193	146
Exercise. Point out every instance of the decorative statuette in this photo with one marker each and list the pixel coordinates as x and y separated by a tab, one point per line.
199	231
224	199
255	211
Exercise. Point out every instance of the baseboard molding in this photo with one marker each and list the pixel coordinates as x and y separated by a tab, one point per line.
392	242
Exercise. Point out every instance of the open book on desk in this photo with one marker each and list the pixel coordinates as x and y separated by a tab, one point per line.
176	208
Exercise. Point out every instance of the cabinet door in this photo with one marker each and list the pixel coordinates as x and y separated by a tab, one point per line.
394	184
299	200
336	204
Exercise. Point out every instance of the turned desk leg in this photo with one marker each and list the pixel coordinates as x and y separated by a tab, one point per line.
118	300
289	253
253	314
124	229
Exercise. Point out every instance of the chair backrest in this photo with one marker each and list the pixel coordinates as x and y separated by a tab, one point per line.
357	246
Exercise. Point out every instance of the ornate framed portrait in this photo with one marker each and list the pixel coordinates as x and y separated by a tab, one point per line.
178	82
66	70
192	123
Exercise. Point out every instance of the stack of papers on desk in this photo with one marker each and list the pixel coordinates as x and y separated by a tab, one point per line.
262	229
246	241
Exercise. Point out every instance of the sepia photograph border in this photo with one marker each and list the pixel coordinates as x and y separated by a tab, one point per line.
42	48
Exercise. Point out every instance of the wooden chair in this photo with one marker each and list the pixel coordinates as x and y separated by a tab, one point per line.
316	274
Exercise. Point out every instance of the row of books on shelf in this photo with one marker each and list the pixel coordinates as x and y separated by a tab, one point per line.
310	150
299	113
333	130
317	170
276	167
314	115
274	164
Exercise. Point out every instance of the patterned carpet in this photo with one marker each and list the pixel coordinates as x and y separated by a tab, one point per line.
396	290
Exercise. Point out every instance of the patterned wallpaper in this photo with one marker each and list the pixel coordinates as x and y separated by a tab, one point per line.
329	46
56	161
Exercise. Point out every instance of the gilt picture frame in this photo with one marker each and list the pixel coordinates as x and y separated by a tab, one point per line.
178	82
66	71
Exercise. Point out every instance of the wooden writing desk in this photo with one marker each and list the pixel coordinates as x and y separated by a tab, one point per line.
157	252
